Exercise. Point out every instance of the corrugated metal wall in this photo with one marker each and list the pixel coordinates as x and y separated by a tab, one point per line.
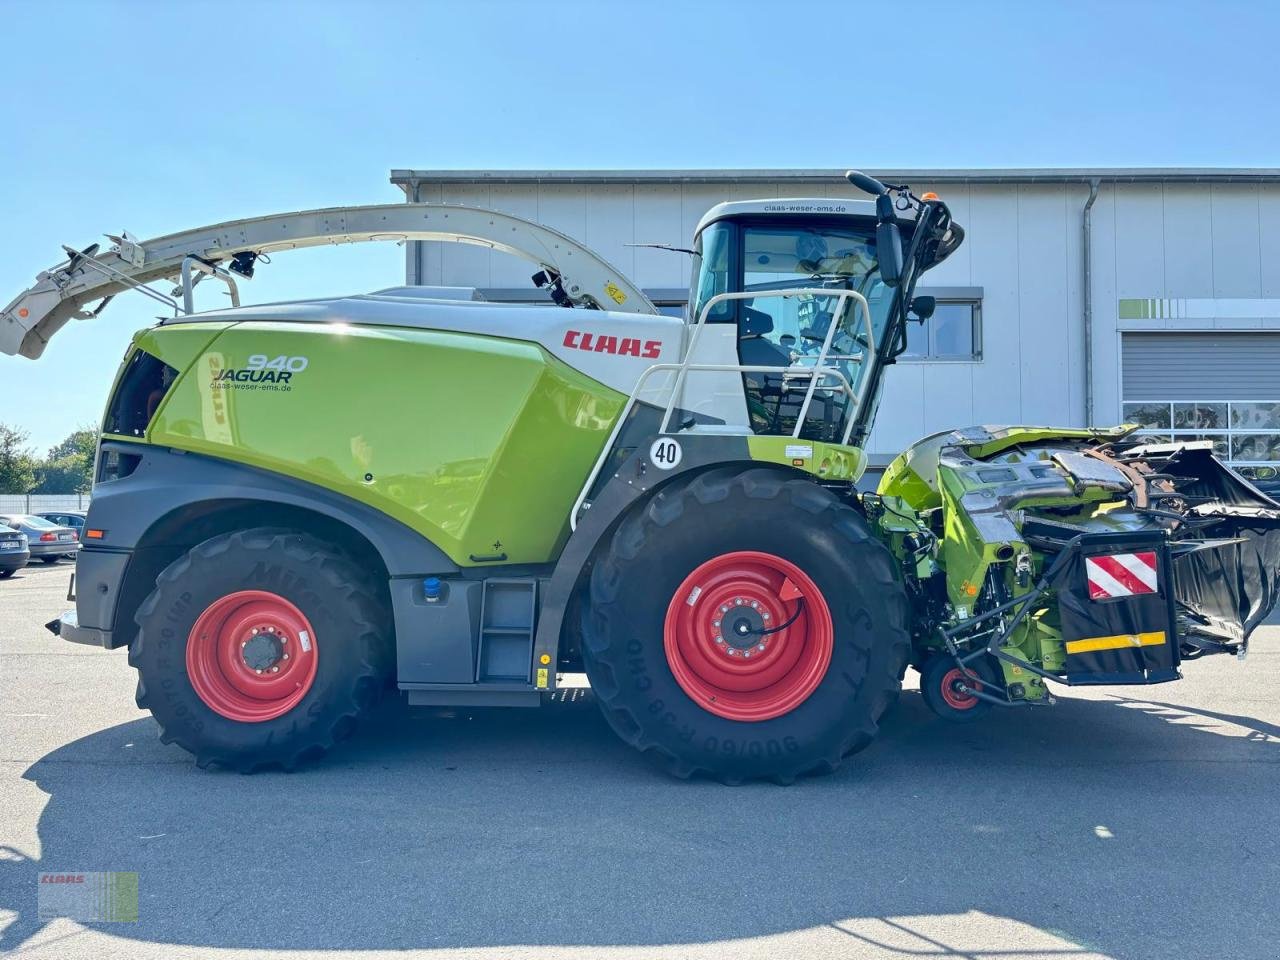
36	502
1201	366
1180	240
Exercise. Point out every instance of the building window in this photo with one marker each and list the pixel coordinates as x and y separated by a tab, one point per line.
1242	432
954	332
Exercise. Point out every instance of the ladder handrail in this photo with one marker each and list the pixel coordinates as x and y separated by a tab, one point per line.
836	317
818	371
811	372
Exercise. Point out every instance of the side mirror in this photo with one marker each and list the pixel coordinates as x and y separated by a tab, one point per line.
922	308
889	253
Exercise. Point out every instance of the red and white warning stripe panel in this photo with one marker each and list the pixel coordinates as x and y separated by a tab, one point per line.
1121	575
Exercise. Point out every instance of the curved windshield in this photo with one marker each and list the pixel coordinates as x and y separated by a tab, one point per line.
836	258
711	272
782	329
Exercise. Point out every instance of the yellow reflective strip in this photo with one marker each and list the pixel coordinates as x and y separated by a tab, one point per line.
1118	642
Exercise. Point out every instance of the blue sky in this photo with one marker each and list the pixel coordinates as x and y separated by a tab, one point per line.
154	117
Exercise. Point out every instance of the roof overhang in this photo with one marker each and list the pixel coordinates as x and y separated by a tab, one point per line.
408	179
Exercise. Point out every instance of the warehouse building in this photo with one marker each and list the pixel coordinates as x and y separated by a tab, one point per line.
1078	296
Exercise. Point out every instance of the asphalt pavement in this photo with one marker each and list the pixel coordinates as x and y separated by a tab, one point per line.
1134	823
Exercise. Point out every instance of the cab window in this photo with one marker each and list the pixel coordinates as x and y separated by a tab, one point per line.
712	272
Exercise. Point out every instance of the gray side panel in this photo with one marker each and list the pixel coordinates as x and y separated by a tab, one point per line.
167	480
1201	366
99	575
436	642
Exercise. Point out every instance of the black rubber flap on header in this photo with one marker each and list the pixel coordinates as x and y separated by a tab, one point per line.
1117	636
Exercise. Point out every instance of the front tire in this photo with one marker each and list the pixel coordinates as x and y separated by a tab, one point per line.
942	682
260	648
745	625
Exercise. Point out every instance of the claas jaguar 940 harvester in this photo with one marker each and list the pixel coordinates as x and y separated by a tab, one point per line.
300	505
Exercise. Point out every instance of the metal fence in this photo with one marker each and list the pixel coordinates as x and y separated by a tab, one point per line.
39	502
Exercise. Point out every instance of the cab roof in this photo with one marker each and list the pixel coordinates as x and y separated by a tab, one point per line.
787	206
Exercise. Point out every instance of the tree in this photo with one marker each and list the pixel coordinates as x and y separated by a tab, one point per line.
69	466
82	443
17	466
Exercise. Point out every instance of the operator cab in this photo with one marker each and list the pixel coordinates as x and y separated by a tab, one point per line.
789	251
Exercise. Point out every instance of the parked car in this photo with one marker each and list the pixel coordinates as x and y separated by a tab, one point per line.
48	542
1265	478
13	551
66	518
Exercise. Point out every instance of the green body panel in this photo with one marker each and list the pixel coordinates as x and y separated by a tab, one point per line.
179	346
912	476
1006	437
905	477
962	497
826	461
480	444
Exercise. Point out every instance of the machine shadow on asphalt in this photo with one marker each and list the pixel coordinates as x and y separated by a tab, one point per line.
491	828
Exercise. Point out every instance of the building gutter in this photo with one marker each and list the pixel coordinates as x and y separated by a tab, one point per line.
1086	298
415	248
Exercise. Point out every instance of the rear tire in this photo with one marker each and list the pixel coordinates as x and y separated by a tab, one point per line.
212	642
6	574
664	679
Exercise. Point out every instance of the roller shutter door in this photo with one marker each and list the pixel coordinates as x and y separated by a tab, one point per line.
1223	387
1201	366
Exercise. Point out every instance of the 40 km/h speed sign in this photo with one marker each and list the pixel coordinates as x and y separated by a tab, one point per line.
666	453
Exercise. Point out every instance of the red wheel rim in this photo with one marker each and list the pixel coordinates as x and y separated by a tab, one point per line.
717	645
953	697
251	656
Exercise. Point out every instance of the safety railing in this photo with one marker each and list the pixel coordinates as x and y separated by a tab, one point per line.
813	370
819	360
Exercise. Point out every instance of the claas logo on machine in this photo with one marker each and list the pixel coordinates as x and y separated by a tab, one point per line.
605	343
1121	575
